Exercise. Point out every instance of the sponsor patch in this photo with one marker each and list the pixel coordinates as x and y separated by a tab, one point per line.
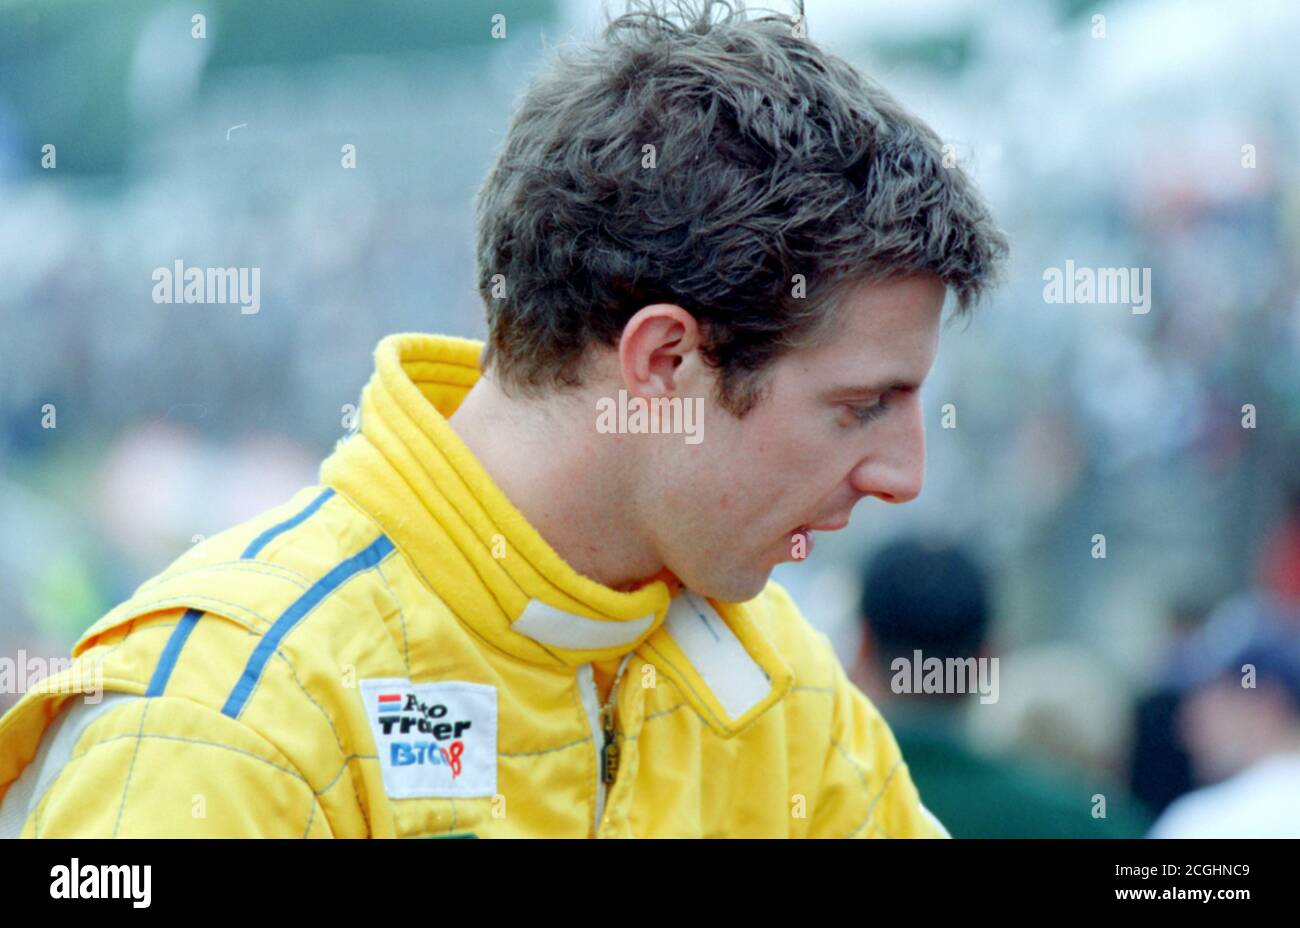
434	739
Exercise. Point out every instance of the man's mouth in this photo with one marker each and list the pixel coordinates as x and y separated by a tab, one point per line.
801	537
828	526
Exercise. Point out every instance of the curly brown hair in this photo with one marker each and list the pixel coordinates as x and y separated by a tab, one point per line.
771	158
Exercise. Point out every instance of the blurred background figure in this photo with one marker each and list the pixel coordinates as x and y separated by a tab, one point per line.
1279	557
1240	724
934	598
1159	769
1061	705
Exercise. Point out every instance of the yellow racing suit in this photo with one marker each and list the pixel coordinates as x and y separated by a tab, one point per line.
397	652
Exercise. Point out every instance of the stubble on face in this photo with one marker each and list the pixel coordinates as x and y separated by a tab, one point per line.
727	507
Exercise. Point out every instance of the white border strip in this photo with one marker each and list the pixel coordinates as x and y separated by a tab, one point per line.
737	680
543	622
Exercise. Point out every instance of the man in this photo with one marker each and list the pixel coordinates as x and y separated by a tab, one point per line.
1240	720
508	608
933	597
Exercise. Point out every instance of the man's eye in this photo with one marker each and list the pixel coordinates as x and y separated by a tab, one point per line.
865	414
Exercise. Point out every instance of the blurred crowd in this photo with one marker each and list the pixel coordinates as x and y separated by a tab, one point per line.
1209	747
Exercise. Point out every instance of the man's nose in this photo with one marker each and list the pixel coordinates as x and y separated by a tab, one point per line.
894	469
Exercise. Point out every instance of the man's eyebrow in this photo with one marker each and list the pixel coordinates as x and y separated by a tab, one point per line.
858	390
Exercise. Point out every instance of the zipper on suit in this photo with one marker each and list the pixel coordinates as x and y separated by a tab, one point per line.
591	702
599	727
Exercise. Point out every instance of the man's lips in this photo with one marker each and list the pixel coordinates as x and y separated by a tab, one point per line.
807	532
821	526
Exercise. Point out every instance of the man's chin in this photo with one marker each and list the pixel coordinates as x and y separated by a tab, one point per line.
736	586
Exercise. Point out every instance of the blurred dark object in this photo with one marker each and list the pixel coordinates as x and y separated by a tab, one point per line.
928	597
1159	769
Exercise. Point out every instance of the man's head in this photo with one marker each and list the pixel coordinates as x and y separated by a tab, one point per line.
1242	676
704	205
926	595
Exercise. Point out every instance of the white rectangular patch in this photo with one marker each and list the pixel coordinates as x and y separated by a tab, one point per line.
434	739
716	653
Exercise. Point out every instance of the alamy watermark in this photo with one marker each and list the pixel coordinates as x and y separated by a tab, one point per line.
1114	285
660	415
32	672
76	880
180	284
920	674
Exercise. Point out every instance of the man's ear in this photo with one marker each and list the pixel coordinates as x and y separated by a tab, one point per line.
654	343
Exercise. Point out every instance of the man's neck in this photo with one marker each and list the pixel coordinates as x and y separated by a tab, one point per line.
548	460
